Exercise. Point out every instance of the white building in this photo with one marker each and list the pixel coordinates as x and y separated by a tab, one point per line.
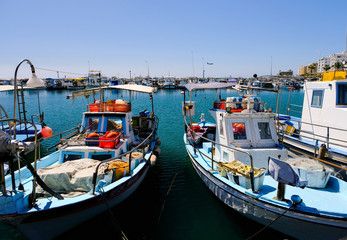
330	60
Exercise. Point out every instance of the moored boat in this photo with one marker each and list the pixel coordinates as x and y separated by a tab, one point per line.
321	129
89	173
241	161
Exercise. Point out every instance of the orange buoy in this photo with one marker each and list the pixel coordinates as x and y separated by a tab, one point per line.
46	132
93	135
112	135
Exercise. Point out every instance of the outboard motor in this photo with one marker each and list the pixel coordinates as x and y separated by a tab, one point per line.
7	147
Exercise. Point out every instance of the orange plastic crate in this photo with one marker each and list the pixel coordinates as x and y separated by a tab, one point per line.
96	107
122	107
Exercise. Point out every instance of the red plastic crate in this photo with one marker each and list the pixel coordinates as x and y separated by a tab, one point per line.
122	107
111	143
96	107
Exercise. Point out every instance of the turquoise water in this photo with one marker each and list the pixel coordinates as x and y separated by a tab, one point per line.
172	202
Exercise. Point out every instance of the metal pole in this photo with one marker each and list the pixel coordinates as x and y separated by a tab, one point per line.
212	154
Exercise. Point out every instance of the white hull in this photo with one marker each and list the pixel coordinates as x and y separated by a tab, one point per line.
292	223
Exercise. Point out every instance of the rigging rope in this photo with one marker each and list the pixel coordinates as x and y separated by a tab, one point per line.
59	71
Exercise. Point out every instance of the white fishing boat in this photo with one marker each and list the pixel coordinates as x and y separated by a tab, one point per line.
89	173
321	130
169	82
240	160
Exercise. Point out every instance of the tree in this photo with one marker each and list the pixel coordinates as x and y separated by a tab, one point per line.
339	66
326	68
312	68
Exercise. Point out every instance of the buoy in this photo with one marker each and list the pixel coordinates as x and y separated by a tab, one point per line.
158	141
93	135
46	132
153	159
323	151
157	151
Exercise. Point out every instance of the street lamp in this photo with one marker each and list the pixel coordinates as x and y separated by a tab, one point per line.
33	82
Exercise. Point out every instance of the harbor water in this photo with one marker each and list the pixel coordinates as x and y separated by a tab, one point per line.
172	202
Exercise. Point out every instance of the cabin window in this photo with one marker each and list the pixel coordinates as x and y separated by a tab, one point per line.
341	94
264	130
317	98
101	156
239	131
72	156
92	124
225	156
114	124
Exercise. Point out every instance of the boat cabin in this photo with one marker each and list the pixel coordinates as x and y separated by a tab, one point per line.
325	105
251	131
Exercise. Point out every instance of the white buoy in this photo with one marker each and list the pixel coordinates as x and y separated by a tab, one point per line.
153	159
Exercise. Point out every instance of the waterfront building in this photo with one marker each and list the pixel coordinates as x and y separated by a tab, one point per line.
330	60
309	69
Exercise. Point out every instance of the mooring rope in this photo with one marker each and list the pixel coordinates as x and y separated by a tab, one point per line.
167	194
113	218
268	225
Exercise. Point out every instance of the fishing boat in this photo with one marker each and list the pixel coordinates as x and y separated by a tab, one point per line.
169	82
75	83
55	84
241	161
321	129
89	173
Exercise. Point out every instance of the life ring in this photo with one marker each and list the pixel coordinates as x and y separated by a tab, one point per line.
93	135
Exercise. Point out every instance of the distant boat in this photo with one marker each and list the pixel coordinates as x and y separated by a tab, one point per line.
169	83
55	84
75	83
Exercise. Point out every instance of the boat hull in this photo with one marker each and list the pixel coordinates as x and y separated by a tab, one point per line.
47	224
292	223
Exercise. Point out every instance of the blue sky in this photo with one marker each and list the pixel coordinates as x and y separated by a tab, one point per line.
168	37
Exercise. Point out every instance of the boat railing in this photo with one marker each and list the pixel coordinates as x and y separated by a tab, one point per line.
37	118
327	139
72	132
222	106
65	141
188	128
142	145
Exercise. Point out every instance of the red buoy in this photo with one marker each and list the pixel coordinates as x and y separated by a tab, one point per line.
46	132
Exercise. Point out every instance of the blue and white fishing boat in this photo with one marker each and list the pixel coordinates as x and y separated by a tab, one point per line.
321	130
241	161
169	82
89	173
